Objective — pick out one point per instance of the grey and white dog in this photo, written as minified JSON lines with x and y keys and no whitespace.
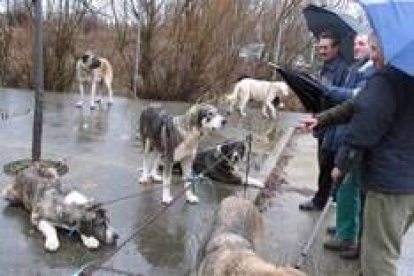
{"x":39,"y":190}
{"x":174,"y":139}
{"x":93,"y":70}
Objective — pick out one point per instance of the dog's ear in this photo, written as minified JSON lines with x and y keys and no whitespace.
{"x":85,"y":58}
{"x":95,"y":63}
{"x":194,"y":116}
{"x":217,"y":152}
{"x":92,"y":205}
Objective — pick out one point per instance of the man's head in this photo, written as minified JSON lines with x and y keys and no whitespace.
{"x":328,"y":46}
{"x":376,"y":54}
{"x":361,"y":47}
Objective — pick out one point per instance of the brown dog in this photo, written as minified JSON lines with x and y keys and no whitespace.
{"x":231,"y":249}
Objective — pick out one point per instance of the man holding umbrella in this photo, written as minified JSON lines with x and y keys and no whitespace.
{"x":382,"y":136}
{"x":381,"y":139}
{"x":348,"y":195}
{"x":332,"y":73}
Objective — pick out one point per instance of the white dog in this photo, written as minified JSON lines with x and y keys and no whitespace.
{"x":265,"y":92}
{"x":174,"y":139}
{"x":93,"y":70}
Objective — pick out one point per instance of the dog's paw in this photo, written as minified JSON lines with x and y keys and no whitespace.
{"x":110,"y":102}
{"x":90,"y":242}
{"x":51,"y":244}
{"x":79,"y":104}
{"x":92,"y":106}
{"x":166,"y":199}
{"x":243,"y":114}
{"x":98,"y":100}
{"x":144,"y":180}
{"x":265,"y":115}
{"x":191,"y":198}
{"x":156,"y":177}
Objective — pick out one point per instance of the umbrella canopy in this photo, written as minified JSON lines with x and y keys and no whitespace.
{"x":393,"y":23}
{"x":310,"y":92}
{"x":344,"y":26}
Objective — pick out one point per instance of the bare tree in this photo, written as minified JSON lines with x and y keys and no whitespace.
{"x":5,"y":43}
{"x":178,"y":49}
{"x":64,"y":19}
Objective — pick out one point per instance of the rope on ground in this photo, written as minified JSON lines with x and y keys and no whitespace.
{"x":94,"y":265}
{"x":249,"y":139}
{"x":89,"y":268}
{"x":199,"y":176}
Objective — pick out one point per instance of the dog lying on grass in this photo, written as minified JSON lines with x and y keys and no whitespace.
{"x":39,"y":190}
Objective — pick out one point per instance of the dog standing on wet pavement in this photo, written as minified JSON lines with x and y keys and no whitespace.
{"x":265,"y":92}
{"x":39,"y":190}
{"x":174,"y":139}
{"x":95,"y":71}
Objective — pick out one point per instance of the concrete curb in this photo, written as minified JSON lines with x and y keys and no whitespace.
{"x":276,"y":153}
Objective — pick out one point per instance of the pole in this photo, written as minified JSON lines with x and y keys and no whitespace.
{"x":137,"y":78}
{"x":316,"y":229}
{"x":38,"y":85}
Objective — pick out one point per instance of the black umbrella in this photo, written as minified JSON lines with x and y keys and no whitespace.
{"x":344,"y":26}
{"x":311,"y":93}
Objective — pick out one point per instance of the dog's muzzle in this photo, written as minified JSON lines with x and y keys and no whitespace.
{"x":111,"y":236}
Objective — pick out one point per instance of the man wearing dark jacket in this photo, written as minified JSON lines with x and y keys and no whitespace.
{"x":332,"y":73}
{"x":348,"y":208}
{"x":381,"y":142}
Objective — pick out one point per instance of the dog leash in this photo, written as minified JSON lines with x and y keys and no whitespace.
{"x":199,"y":176}
{"x":7,"y":115}
{"x":249,"y":139}
{"x":88,"y":268}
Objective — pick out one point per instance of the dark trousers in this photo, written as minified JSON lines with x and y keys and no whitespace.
{"x":326,"y":164}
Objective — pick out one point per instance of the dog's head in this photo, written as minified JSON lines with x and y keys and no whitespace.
{"x":206,"y":117}
{"x":232,"y":152}
{"x":282,"y":91}
{"x":95,"y":222}
{"x":90,"y":60}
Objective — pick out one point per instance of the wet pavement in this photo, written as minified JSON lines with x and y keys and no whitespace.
{"x":103,"y":154}
{"x":287,"y":228}
{"x":104,"y":157}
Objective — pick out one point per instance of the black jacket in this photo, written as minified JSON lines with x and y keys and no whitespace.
{"x":381,"y":134}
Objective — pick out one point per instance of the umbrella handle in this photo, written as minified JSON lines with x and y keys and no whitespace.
{"x":274,"y":65}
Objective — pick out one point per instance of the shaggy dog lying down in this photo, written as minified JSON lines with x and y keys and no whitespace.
{"x":221,"y":164}
{"x":231,"y":249}
{"x":39,"y":190}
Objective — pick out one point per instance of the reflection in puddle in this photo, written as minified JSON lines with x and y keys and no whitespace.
{"x":92,"y":126}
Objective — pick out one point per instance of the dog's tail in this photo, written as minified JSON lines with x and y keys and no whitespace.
{"x":242,"y":77}
{"x":236,"y":91}
{"x":146,"y":122}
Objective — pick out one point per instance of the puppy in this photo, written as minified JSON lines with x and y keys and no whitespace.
{"x":39,"y":190}
{"x":231,"y":249}
{"x":93,"y":70}
{"x":221,"y":164}
{"x":175,"y":139}
{"x":265,"y":92}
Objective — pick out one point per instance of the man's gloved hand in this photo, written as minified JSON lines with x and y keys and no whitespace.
{"x":308,"y":124}
{"x":337,"y":175}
